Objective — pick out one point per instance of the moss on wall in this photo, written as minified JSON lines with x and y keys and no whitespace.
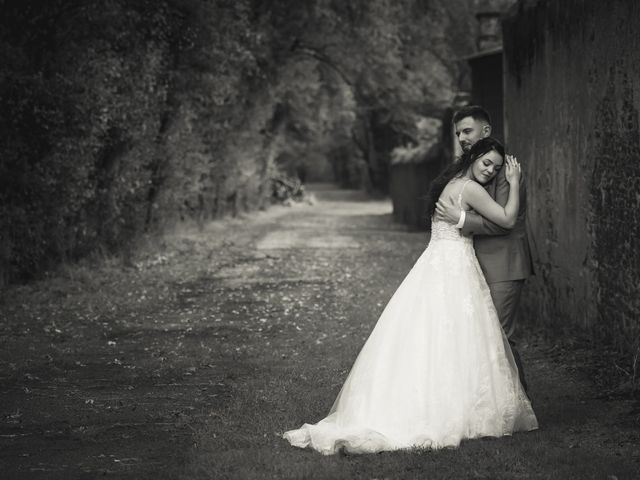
{"x":572,"y":97}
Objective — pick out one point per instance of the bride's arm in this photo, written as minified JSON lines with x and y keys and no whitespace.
{"x":476,"y":224}
{"x":478,"y":198}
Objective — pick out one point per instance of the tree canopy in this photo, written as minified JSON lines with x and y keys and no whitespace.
{"x":121,"y":116}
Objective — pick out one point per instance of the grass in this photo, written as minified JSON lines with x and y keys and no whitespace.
{"x":193,"y":363}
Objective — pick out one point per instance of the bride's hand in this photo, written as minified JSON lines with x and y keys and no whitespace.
{"x":513,"y":171}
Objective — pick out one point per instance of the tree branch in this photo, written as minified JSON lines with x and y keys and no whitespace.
{"x":303,"y":50}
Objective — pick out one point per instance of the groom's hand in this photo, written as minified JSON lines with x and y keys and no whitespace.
{"x":448,"y":211}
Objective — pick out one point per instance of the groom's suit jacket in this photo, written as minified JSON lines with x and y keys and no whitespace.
{"x":504,"y":255}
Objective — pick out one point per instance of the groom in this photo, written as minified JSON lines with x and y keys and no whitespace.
{"x":503,"y":254}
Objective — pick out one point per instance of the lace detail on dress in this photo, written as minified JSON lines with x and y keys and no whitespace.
{"x":441,"y":230}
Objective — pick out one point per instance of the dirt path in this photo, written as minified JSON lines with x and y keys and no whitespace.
{"x":193,"y":363}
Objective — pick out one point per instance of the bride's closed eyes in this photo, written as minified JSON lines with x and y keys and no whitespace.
{"x":488,"y":163}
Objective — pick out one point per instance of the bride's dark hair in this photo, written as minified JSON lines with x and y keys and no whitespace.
{"x":480,"y":148}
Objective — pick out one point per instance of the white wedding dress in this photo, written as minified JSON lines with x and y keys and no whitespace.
{"x":436,"y":369}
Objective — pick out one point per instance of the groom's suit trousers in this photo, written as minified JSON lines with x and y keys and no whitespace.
{"x":506,"y":297}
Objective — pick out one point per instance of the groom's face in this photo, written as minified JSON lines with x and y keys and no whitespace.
{"x":469,"y":131}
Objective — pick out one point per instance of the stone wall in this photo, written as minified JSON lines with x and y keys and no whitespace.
{"x":572,"y":97}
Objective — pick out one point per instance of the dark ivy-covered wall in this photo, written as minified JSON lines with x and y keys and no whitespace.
{"x":572,"y":97}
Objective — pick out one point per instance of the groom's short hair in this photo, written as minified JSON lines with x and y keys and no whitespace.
{"x":474,"y":111}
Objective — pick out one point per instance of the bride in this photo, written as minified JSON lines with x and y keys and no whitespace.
{"x":437,"y":367}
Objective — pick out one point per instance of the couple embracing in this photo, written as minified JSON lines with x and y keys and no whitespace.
{"x":440,"y":365}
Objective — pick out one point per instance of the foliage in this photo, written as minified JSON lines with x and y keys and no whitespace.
{"x":110,"y":108}
{"x":397,"y":60}
{"x":122,"y":116}
{"x":81,"y":92}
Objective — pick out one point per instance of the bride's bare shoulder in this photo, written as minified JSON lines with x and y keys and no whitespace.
{"x":453,"y":183}
{"x":448,"y":189}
